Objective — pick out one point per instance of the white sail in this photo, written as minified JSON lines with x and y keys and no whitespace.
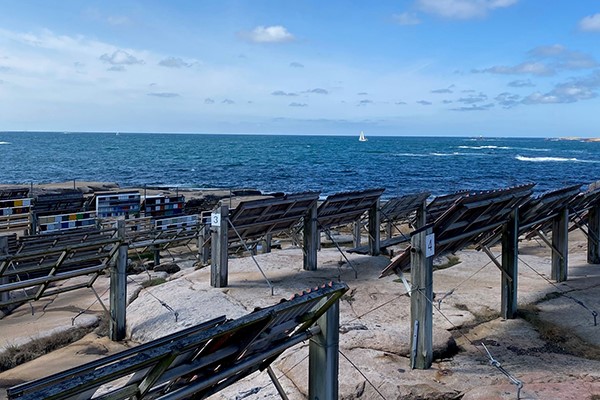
{"x":362,"y":137}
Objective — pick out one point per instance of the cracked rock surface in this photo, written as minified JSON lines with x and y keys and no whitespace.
{"x":552,"y":347}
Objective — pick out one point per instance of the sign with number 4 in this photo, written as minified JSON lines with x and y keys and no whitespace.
{"x":430,"y":245}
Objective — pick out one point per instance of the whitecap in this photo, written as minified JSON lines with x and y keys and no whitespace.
{"x":484,"y":147}
{"x":456,"y":153}
{"x":4,"y":142}
{"x":411,"y":155}
{"x":552,"y":159}
{"x":531,"y":149}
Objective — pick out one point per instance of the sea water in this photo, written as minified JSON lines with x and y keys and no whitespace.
{"x":288,"y":163}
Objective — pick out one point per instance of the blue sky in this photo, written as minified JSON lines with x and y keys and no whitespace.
{"x":413,"y":67}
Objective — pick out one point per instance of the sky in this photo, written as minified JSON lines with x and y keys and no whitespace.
{"x":528,"y":68}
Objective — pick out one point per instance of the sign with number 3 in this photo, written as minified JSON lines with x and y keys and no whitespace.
{"x":215,"y":219}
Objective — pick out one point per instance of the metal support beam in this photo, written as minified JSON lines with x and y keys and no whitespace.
{"x":560,"y":242}
{"x":374,"y":225}
{"x":312,"y":238}
{"x":204,"y":243}
{"x":593,"y":256}
{"x":32,"y":223}
{"x":323,"y":357}
{"x":268,"y":243}
{"x":277,"y":384}
{"x":156,"y":249}
{"x":118,"y":288}
{"x":219,"y":258}
{"x":421,"y":218}
{"x":510,"y":254}
{"x":4,"y":296}
{"x":421,"y":301}
{"x":357,"y":233}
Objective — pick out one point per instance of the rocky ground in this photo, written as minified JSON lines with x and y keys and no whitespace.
{"x":553,"y":348}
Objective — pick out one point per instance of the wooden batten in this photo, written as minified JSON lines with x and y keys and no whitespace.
{"x":421,"y":306}
{"x":118,"y":289}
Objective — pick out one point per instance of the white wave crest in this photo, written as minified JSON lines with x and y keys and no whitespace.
{"x":410,"y":155}
{"x":484,"y":147}
{"x":444,"y":154}
{"x":457,"y":153}
{"x":531,"y":149}
{"x":4,"y":142}
{"x":552,"y":159}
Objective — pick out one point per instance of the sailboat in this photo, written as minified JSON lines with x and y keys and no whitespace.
{"x":362,"y":137}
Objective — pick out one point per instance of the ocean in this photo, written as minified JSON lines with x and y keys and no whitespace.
{"x":284,"y":163}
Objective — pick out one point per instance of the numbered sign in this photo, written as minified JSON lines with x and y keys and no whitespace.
{"x":215,"y":219}
{"x":430,"y":245}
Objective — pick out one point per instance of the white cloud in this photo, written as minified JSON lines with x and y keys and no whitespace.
{"x":120,"y":57}
{"x":533,"y":68}
{"x":165,"y":95}
{"x":563,"y":58}
{"x":268,"y":34}
{"x":521,"y":83}
{"x":442,"y":91}
{"x":406,"y":18}
{"x":547,"y":61}
{"x":474,"y":107}
{"x":318,"y":91}
{"x":462,"y":9}
{"x":176,"y":62}
{"x":282,"y":93}
{"x":584,"y":88}
{"x":591,"y":23}
{"x":473,"y":98}
{"x":508,"y":100}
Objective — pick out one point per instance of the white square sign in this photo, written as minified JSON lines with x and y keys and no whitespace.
{"x":430,"y":245}
{"x":215,"y":219}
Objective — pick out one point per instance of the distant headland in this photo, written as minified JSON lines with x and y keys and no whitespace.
{"x":580,"y":139}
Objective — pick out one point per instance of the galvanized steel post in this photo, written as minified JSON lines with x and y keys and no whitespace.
{"x":374,"y":225}
{"x":560,"y":243}
{"x":593,"y":256}
{"x":357,"y":233}
{"x":510,"y":250}
{"x":4,"y":296}
{"x":311,"y":239}
{"x":204,"y":242}
{"x":323,"y":358}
